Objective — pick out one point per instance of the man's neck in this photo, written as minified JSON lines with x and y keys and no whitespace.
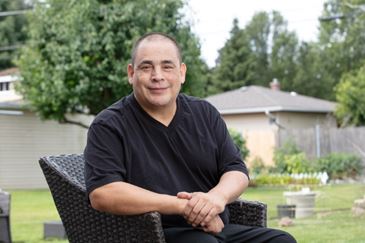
{"x":163,"y":115}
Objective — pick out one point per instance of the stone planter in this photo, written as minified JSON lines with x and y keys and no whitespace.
{"x":303,"y":200}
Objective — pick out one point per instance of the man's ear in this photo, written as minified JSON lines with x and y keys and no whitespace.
{"x":130,"y":72}
{"x":183,"y":69}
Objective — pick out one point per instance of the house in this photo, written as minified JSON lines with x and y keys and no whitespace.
{"x":24,"y":138}
{"x":260,"y":113}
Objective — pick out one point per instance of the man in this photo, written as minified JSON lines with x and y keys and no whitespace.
{"x":158,"y":150}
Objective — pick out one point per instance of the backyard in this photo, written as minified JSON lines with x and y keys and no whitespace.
{"x":333,"y":221}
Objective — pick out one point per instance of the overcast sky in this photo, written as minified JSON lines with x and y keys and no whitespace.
{"x":212,"y":19}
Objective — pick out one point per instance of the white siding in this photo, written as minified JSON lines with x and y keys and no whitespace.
{"x":24,"y":139}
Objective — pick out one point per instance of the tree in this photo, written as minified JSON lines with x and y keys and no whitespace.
{"x":240,"y":142}
{"x":284,"y":53}
{"x":12,"y":31}
{"x":76,"y":57}
{"x":229,"y":73}
{"x":256,"y":54}
{"x":341,"y":41}
{"x":351,"y":99}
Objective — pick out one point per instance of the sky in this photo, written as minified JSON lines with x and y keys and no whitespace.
{"x":212,"y":19}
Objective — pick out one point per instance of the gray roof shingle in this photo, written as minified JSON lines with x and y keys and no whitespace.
{"x":254,"y":99}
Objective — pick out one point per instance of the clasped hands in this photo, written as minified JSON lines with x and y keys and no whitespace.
{"x":202,"y":210}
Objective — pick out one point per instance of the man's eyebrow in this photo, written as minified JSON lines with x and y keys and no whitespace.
{"x":168,"y":62}
{"x":145,"y":62}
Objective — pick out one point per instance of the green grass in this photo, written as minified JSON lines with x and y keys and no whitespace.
{"x":333,"y":221}
{"x":29,"y":209}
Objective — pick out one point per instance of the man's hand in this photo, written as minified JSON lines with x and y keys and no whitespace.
{"x":215,"y":226}
{"x":202,"y":209}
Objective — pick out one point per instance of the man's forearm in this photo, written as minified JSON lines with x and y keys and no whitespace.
{"x":204,"y":207}
{"x":231,"y":185}
{"x":127,"y":199}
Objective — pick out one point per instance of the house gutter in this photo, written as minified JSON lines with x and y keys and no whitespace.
{"x":271,"y":109}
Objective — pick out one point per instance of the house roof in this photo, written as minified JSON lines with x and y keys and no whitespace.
{"x":9,"y":71}
{"x":257,"y":99}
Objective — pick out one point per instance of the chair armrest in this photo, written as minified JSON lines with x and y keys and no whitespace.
{"x":137,"y":228}
{"x":83,"y":224}
{"x":250,"y":213}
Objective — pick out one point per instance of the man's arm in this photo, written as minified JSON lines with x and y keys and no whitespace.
{"x":203,"y":207}
{"x":126,"y":199}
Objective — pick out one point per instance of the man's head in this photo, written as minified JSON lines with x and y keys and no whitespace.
{"x":152,"y":36}
{"x":156,"y":72}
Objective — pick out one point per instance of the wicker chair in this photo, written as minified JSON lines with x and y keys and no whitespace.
{"x":65,"y":177}
{"x":5,"y":234}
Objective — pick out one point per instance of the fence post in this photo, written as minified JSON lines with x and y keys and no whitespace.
{"x":318,"y":141}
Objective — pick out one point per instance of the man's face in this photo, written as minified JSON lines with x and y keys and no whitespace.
{"x":156,"y":74}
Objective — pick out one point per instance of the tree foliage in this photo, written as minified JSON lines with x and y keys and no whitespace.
{"x":351,"y":99}
{"x":240,"y":142}
{"x":256,"y":54}
{"x":341,"y":41}
{"x":264,"y":49}
{"x":12,"y":31}
{"x":76,"y":57}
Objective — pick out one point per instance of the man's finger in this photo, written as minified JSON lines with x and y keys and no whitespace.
{"x":202,"y":215}
{"x":209,"y":216}
{"x":189,"y":206}
{"x":195,"y":213}
{"x":184,"y":195}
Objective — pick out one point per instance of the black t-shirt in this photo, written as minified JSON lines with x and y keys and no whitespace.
{"x":191,"y":154}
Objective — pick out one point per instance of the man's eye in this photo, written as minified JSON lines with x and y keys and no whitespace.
{"x":168,"y":67}
{"x":145,"y":67}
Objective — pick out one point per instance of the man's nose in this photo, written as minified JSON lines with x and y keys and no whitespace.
{"x":157,"y":74}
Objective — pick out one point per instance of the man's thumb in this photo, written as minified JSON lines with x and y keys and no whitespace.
{"x":184,"y":195}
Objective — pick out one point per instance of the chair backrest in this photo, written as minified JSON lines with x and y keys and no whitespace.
{"x":65,"y":178}
{"x":70,"y":166}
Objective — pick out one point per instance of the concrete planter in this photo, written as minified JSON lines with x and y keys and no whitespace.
{"x":303,"y":200}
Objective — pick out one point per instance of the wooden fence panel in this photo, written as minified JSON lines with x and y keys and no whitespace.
{"x":319,"y":141}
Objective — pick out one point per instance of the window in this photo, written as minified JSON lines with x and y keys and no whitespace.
{"x":4,"y":86}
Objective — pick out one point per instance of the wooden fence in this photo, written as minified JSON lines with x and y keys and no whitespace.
{"x":319,"y":141}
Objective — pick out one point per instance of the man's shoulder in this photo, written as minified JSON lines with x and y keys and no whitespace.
{"x":193,"y":100}
{"x":114,"y":112}
{"x":196,"y":102}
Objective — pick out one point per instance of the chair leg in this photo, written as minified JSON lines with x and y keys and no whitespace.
{"x":5,"y":235}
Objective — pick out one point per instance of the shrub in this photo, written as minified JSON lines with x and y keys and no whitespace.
{"x":283,"y":180}
{"x":240,"y":142}
{"x":258,"y":166}
{"x":340,"y":165}
{"x":290,"y":159}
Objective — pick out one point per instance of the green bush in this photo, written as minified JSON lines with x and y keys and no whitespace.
{"x":290,"y":159}
{"x":240,"y":142}
{"x":340,"y":165}
{"x":282,"y":179}
{"x":257,"y":166}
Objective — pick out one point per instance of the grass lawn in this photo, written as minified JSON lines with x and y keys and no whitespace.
{"x":333,"y":221}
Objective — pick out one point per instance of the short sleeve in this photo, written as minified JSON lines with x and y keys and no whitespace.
{"x":103,"y":157}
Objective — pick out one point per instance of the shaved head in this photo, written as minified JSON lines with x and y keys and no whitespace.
{"x":155,"y":36}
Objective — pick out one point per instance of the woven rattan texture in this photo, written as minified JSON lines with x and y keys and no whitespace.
{"x":83,"y":224}
{"x":251,"y":213}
